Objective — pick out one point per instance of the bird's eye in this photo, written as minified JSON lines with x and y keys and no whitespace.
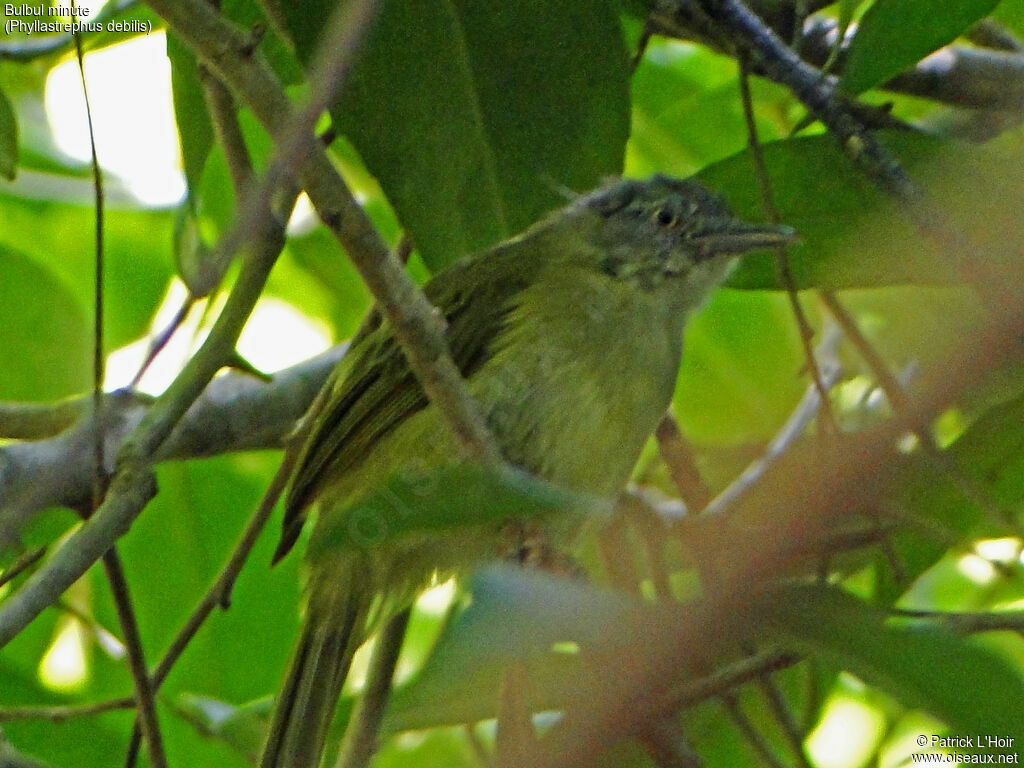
{"x":665,"y":217}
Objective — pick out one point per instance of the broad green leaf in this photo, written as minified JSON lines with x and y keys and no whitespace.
{"x":172,"y":556}
{"x":991,"y":455}
{"x":57,"y":744}
{"x":313,"y":274}
{"x":518,"y":102}
{"x":195,"y":131}
{"x":453,"y":497}
{"x":741,"y":372}
{"x":240,"y":727}
{"x":687,"y":112}
{"x":895,"y":34}
{"x":928,"y":668}
{"x":851,"y":234}
{"x":46,"y":354}
{"x":8,"y":138}
{"x":59,"y":237}
{"x":515,"y":616}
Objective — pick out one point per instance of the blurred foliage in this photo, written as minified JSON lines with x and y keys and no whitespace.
{"x":462,"y":123}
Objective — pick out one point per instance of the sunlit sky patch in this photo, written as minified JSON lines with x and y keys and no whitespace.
{"x":130,"y":93}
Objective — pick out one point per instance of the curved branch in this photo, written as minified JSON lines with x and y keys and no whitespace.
{"x":227,"y":50}
{"x":236,"y":412}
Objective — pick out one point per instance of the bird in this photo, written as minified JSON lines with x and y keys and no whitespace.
{"x":569,"y":336}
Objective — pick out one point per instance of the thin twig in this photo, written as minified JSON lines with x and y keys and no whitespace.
{"x":111,"y":561}
{"x":753,"y":736}
{"x":682,"y":465}
{"x":224,"y":116}
{"x":780,"y":708}
{"x":133,"y":485}
{"x":97,"y":339}
{"x":60,"y":714}
{"x":22,"y":564}
{"x":726,"y":678}
{"x":969,"y":622}
{"x":804,"y":496}
{"x":219,"y":593}
{"x":416,"y":325}
{"x":748,"y":34}
{"x":144,"y":690}
{"x":162,"y":339}
{"x":790,"y":431}
{"x":783,"y":270}
{"x":664,"y":742}
{"x":361,"y":735}
{"x":900,"y":402}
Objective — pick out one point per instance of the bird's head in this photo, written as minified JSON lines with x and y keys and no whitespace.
{"x":670,"y":233}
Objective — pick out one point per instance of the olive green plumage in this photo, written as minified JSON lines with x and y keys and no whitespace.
{"x":569,"y":336}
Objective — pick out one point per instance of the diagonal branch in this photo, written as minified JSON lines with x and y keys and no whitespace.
{"x":227,"y":51}
{"x":235,"y":413}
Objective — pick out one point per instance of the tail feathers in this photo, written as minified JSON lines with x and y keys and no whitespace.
{"x":330,"y":637}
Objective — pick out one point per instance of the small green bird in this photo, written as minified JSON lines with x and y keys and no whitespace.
{"x":569,"y":336}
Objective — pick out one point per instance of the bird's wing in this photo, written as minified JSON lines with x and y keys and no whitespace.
{"x":374,"y":389}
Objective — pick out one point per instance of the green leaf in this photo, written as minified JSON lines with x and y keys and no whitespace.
{"x":8,"y":138}
{"x":314,"y":275}
{"x":46,"y":354}
{"x":895,"y":34}
{"x":518,"y":101}
{"x":928,"y":668}
{"x":515,"y":616}
{"x":194,"y":126}
{"x":195,"y":131}
{"x":60,"y":238}
{"x":853,"y":236}
{"x":990,"y":454}
{"x":242,"y":728}
{"x":190,"y":528}
{"x":455,"y":496}
{"x":740,"y":374}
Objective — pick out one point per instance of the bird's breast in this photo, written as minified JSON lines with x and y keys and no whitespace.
{"x":575,"y":387}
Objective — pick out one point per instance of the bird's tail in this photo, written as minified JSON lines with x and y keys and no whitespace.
{"x":332,"y":632}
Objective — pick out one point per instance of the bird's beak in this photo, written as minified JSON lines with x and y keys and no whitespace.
{"x":737,"y":237}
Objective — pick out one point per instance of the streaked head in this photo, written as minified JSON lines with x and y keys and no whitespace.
{"x":664,"y":230}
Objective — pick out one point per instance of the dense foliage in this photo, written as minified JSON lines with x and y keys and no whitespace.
{"x":840,"y":609}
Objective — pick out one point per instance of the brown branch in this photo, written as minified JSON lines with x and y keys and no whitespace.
{"x":236,"y":412}
{"x":681,"y":463}
{"x":800,"y":499}
{"x":745,"y":33}
{"x":783,"y":270}
{"x":900,"y":402}
{"x":144,"y":702}
{"x":60,"y":714}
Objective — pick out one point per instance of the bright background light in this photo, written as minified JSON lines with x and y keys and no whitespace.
{"x":133,"y":117}
{"x":276,"y":336}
